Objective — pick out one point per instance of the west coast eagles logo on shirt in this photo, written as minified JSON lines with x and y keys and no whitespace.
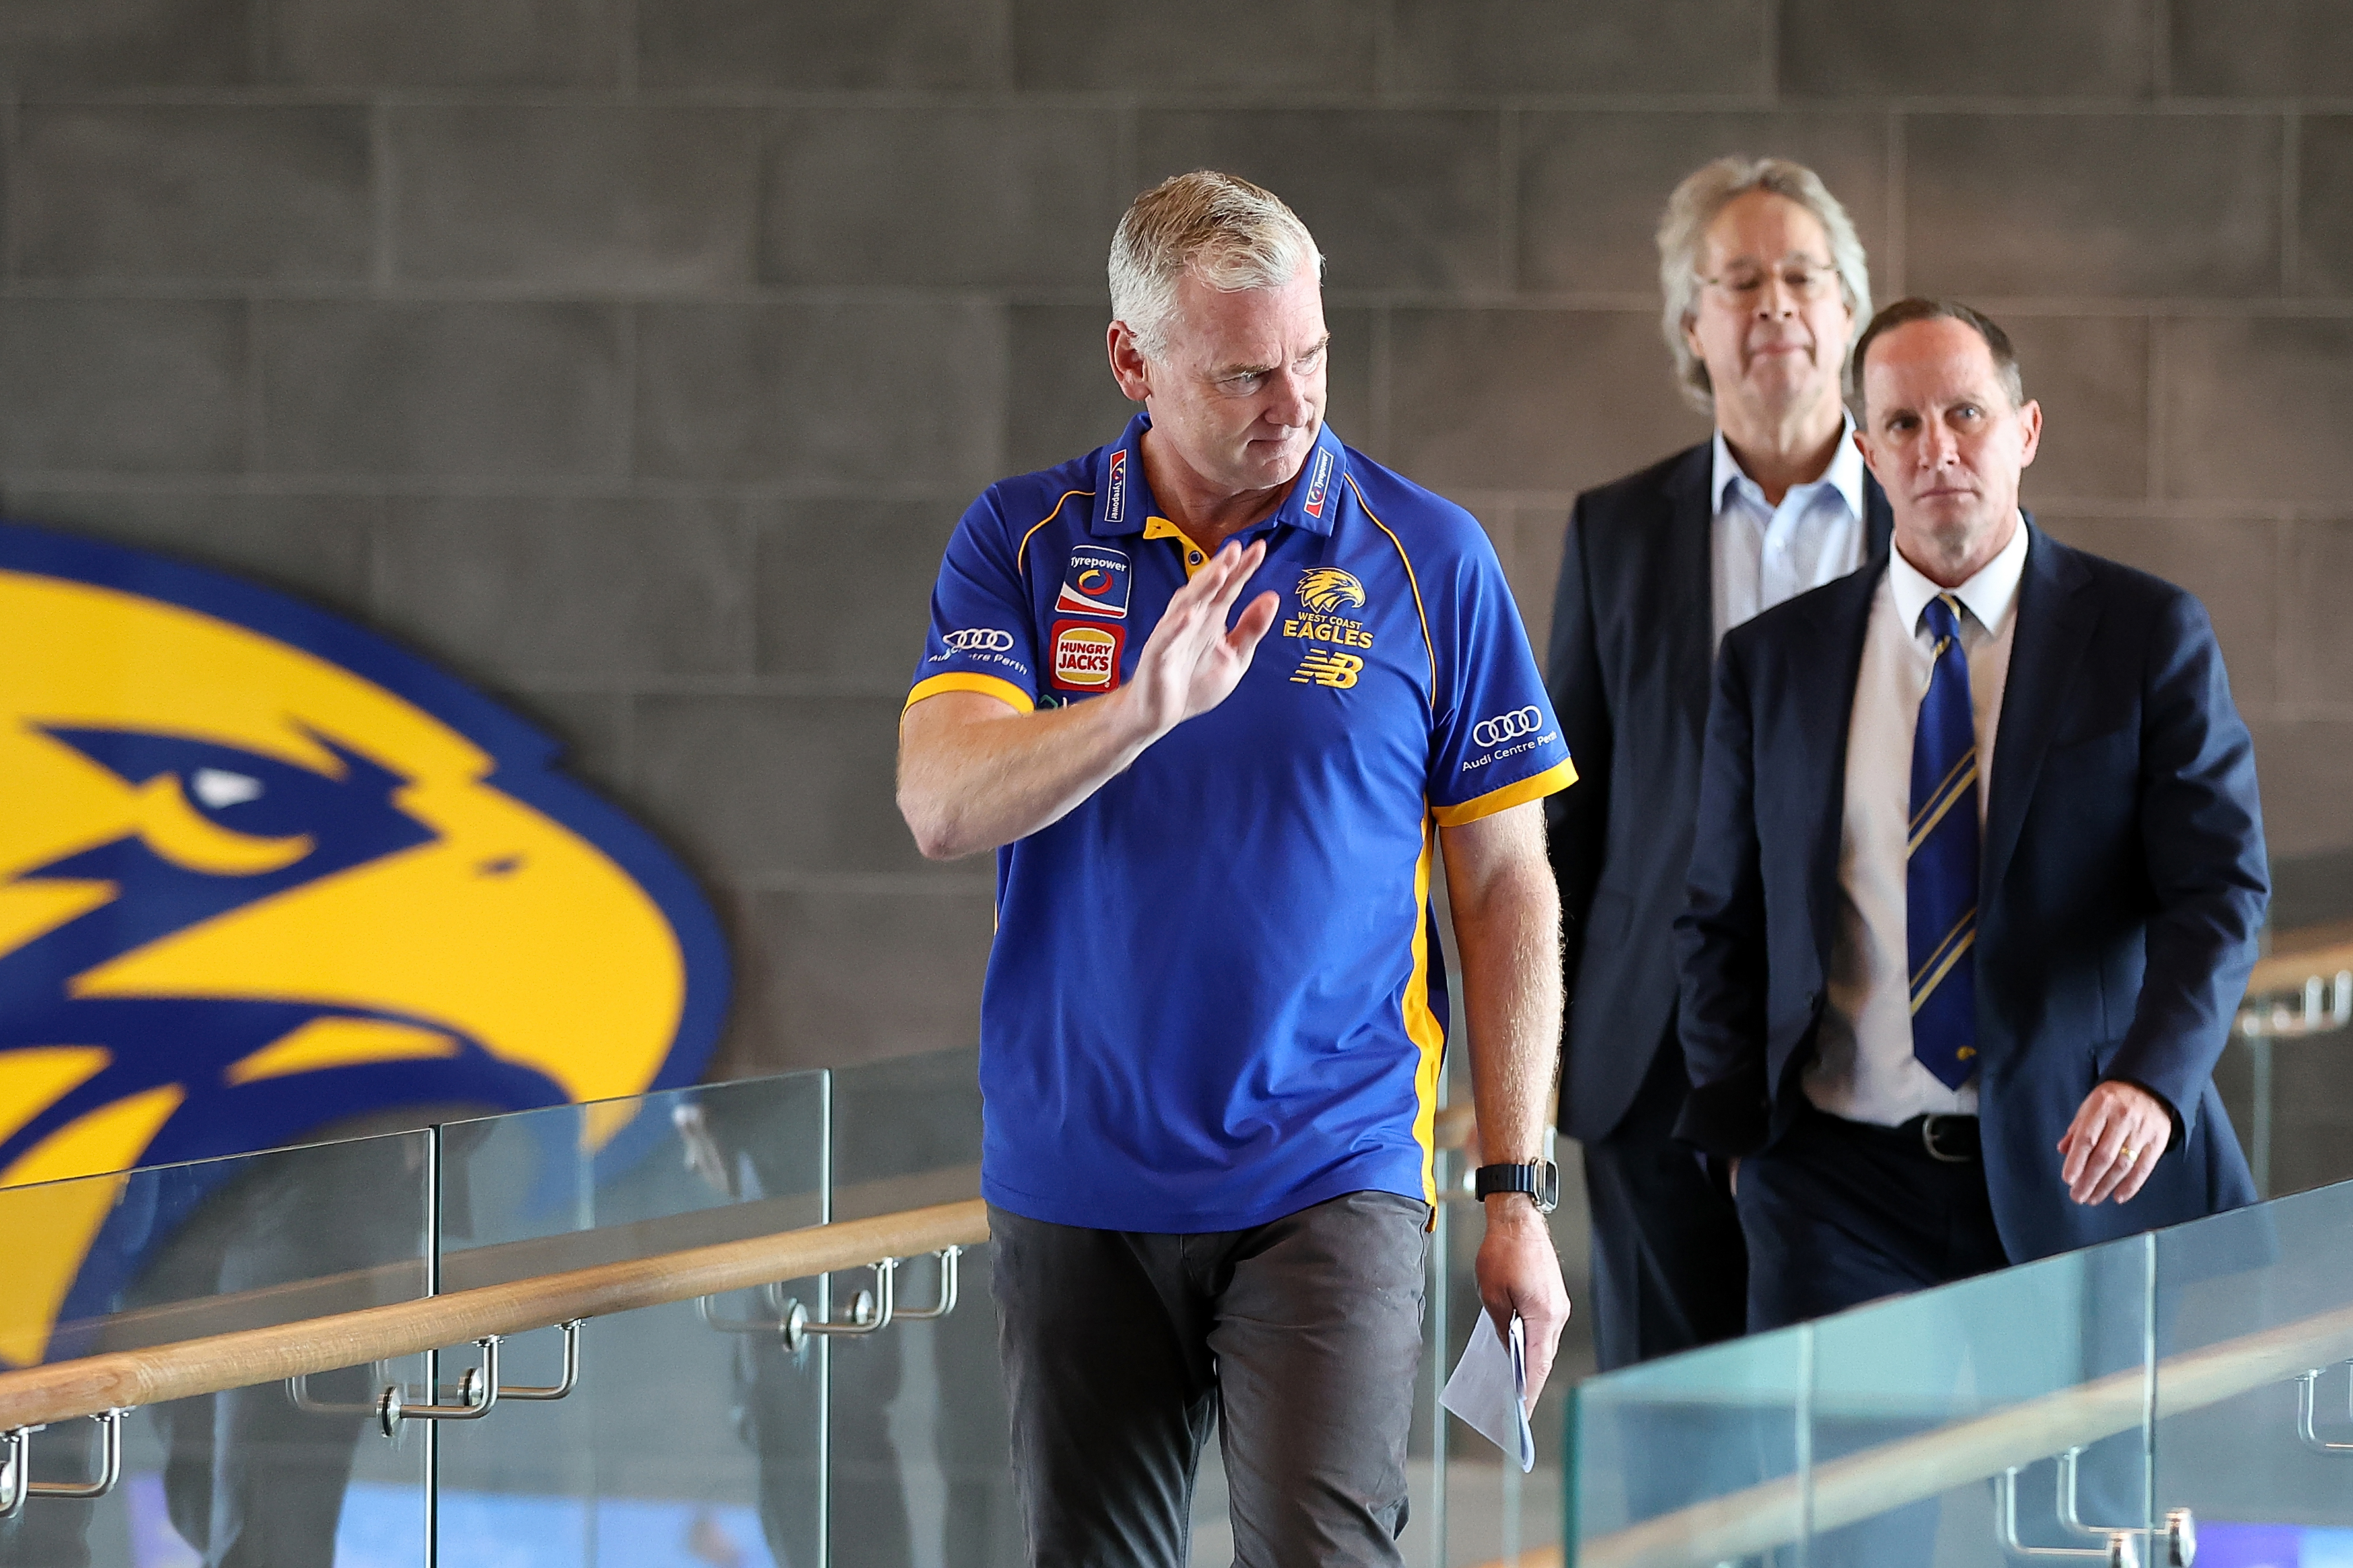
{"x":1324,"y":592}
{"x":261,"y":870}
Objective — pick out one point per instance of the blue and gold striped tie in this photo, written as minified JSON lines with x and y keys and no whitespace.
{"x":1941,"y":860}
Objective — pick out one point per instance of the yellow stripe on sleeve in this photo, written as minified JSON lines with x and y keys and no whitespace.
{"x":1005,"y":691}
{"x":1552,"y":781}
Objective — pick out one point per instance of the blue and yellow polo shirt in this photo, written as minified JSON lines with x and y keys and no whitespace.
{"x":1216,"y":995}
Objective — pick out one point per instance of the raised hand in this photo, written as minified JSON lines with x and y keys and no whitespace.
{"x":1192,"y":662}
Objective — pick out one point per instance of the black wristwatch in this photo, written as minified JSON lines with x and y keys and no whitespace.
{"x":1540,"y":1179}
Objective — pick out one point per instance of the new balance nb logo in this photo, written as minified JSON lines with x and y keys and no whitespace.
{"x":1338,"y":670}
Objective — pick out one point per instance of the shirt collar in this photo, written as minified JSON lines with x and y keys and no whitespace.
{"x":1124,"y":500}
{"x":1844,"y":475}
{"x":1990,"y":596}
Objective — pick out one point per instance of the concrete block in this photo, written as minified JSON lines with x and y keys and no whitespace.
{"x":1323,"y":46}
{"x":2232,"y":567}
{"x":1539,"y":532}
{"x":2090,"y":375}
{"x":524,"y":590}
{"x":1593,"y":185}
{"x":2256,"y":409}
{"x":130,"y":385}
{"x":592,"y":727}
{"x":691,"y":44}
{"x":443,"y":389}
{"x":759,"y":788}
{"x":1552,"y":400}
{"x":903,"y":394}
{"x":192,"y":192}
{"x":843,"y":588}
{"x":446,"y":43}
{"x":1396,"y":198}
{"x":2324,"y":216}
{"x":997,"y":195}
{"x":610,"y":196}
{"x":1997,"y":48}
{"x":1609,"y":47}
{"x":46,"y":45}
{"x":2316,"y":655}
{"x":1060,"y":397}
{"x":2302,"y":763}
{"x":2261,"y":48}
{"x":313,"y":546}
{"x":837,"y":978}
{"x":2092,"y":205}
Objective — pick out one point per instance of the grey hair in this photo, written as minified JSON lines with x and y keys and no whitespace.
{"x":1706,"y":191}
{"x":1227,"y":232}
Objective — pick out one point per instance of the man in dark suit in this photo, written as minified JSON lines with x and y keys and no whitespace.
{"x":1763,"y":283}
{"x":1979,"y":871}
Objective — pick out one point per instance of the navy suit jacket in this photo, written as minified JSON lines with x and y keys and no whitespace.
{"x":2122,"y":885}
{"x":1633,"y":634}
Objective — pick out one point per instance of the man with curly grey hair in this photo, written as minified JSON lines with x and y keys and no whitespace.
{"x":1215,"y":694}
{"x":1765,"y":285}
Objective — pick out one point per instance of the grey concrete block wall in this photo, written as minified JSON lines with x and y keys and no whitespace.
{"x":637,"y":359}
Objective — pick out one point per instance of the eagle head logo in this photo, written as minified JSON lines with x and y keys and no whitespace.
{"x":261,"y":871}
{"x":1325,"y":589}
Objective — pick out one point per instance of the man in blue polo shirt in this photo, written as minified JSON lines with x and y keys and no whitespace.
{"x":1218,"y":695}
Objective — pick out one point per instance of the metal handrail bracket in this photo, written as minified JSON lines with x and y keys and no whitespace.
{"x":17,"y":1483}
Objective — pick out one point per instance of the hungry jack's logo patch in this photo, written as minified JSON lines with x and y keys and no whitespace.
{"x":261,"y":871}
{"x":1086,"y":656}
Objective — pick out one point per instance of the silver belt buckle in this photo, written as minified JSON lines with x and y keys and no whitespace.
{"x":1928,"y":1141}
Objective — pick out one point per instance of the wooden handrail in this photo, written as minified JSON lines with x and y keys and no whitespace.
{"x":187,"y":1368}
{"x":1871,"y":1482}
{"x":2297,"y":955}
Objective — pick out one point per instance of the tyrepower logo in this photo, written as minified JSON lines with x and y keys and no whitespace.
{"x":1506,"y":727}
{"x":980,"y":639}
{"x":1095,"y":583}
{"x":1319,"y":484}
{"x":1086,"y":657}
{"x":1116,"y":506}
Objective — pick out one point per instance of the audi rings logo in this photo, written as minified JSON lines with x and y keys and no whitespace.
{"x":1506,"y":727}
{"x":981,"y":639}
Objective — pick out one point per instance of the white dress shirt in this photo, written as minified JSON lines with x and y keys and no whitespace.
{"x":1864,"y":1070}
{"x":1764,"y":555}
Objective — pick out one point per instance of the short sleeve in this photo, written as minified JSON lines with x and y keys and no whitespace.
{"x":1496,"y":743}
{"x":982,"y":637}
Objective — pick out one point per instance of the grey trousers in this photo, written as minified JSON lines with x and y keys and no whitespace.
{"x":1300,"y":1337}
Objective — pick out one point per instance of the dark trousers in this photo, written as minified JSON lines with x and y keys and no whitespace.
{"x":1839,"y":1213}
{"x":1299,"y":1338}
{"x":1670,"y":1265}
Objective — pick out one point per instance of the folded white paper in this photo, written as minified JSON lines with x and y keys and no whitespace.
{"x":1490,"y":1390}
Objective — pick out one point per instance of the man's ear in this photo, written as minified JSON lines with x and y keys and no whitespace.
{"x":1128,"y":365}
{"x":2030,"y":417}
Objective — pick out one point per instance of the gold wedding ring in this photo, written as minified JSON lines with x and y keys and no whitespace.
{"x":2129,"y":1153}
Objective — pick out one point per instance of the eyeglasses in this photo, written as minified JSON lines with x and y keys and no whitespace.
{"x":1804,"y":277}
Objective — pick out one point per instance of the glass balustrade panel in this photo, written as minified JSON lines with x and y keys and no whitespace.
{"x":290,"y":1473}
{"x":2254,"y":1430}
{"x":1688,"y":1453}
{"x":1944,"y":1426}
{"x":693,"y":1435}
{"x":918,"y":1442}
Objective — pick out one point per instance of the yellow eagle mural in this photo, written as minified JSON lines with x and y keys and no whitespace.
{"x":262,"y":870}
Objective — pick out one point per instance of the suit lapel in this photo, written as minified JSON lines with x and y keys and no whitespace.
{"x":1823,"y":670}
{"x":1688,"y":607}
{"x":2056,"y":618}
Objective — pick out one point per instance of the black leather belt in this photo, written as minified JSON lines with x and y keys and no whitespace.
{"x":1947,"y":1140}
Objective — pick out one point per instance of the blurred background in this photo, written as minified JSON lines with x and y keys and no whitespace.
{"x":636,"y":357}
